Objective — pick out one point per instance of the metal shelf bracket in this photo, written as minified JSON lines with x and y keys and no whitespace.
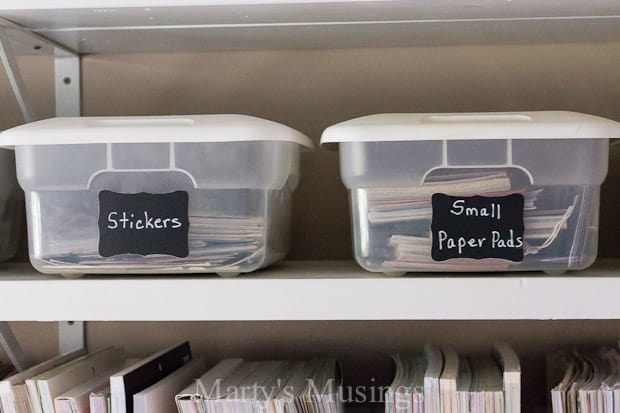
{"x":67,"y":63}
{"x":71,"y":336}
{"x":7,"y":57}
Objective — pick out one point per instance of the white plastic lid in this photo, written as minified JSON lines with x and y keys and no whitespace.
{"x":466,"y":126}
{"x":151,"y":129}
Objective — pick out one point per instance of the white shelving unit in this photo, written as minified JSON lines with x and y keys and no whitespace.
{"x":313,"y":290}
{"x":71,"y":28}
{"x":112,"y":26}
{"x":333,"y":291}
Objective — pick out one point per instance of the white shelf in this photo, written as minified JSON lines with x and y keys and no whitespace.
{"x":320,"y":290}
{"x":108,"y":26}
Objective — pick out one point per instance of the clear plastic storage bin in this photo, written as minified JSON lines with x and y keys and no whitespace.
{"x":170,"y":194}
{"x":474,"y":191}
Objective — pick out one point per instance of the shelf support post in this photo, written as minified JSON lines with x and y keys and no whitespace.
{"x":7,"y":57}
{"x":71,"y":336}
{"x":67,"y":83}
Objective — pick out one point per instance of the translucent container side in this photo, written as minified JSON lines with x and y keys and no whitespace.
{"x":563,"y":162}
{"x":266,"y":165}
{"x":64,"y":235}
{"x":59,"y":166}
{"x":392,"y":233}
{"x":374,"y":164}
{"x":392,"y":184}
{"x":229,"y":165}
{"x":239,"y":196}
{"x":545,"y":161}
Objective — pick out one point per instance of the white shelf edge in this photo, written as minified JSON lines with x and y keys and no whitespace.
{"x":136,"y":26}
{"x":81,"y":4}
{"x":312,"y":291}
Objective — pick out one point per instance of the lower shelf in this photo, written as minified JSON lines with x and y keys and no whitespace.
{"x":312,"y":290}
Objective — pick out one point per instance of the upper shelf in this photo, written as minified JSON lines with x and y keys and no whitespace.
{"x":320,"y":290}
{"x":111,"y":26}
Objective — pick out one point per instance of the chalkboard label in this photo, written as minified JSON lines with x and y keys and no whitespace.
{"x":477,"y":227}
{"x":143,"y":224}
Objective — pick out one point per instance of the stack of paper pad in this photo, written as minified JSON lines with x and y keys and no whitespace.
{"x":590,"y":382}
{"x":212,"y":240}
{"x":439,"y":381}
{"x":405,"y":214}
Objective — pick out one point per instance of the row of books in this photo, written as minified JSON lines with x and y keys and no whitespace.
{"x":585,"y":381}
{"x":169,"y":381}
{"x":437,"y":381}
{"x":441,"y":381}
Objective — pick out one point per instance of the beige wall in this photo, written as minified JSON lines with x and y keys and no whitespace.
{"x":310,"y":90}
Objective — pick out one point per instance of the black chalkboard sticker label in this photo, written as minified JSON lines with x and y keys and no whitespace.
{"x":477,"y":227}
{"x":143,"y":224}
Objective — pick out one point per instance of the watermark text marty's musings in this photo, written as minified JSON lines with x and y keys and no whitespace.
{"x":331,"y":391}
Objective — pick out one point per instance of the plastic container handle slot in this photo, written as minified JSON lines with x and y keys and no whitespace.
{"x":159,"y":170}
{"x":142,"y":122}
{"x":490,"y":118}
{"x":439,"y":168}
